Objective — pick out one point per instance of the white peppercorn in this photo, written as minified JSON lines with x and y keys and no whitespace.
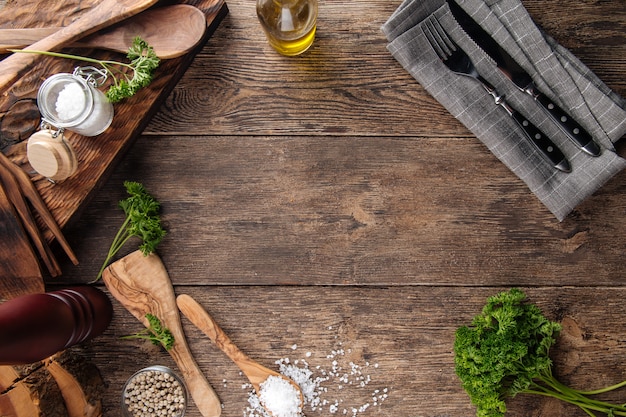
{"x":154,"y":392}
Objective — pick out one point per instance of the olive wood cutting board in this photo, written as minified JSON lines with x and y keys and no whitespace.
{"x":97,"y":156}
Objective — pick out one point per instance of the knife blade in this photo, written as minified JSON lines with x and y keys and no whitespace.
{"x":522,"y":80}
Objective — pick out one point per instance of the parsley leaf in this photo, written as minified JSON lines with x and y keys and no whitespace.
{"x":158,"y":334}
{"x":142,"y":221}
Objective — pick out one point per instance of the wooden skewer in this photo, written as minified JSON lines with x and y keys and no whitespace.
{"x":16,"y":198}
{"x":30,"y":192}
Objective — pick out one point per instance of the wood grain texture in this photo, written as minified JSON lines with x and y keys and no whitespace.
{"x":170,"y":30}
{"x":327,"y":203}
{"x":366,"y":211}
{"x":97,"y":156}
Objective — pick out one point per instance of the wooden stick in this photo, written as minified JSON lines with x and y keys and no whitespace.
{"x":30,"y":192}
{"x":12,"y":190}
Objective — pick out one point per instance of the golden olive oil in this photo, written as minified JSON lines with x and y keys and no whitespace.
{"x":289,"y":24}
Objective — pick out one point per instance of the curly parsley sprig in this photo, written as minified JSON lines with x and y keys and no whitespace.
{"x":128,"y":78}
{"x":505,"y":352}
{"x":142,"y":221}
{"x":158,"y":334}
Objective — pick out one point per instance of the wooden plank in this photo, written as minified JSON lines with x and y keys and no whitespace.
{"x":404,"y":334}
{"x":365,"y":211}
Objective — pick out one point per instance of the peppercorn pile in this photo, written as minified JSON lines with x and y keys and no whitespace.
{"x":153,"y":393}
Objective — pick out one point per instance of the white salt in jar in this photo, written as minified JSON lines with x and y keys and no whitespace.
{"x":72,"y":102}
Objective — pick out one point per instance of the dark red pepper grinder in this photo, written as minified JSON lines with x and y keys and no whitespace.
{"x":35,"y":326}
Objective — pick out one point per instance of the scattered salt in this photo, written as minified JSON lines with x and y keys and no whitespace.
{"x":314,"y":382}
{"x":70,"y":102}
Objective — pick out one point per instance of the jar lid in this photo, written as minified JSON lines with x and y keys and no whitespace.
{"x":51,"y":156}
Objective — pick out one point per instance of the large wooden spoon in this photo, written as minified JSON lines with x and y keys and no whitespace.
{"x":106,"y":13}
{"x":143,"y":286}
{"x":254,"y":371}
{"x":171,"y":30}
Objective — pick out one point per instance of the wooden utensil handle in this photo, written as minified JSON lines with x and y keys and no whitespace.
{"x":203,"y":321}
{"x":21,"y":38}
{"x":201,"y":391}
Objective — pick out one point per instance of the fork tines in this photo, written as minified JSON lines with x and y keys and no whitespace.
{"x":438,"y":38}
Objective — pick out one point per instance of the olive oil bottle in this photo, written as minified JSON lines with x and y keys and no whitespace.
{"x":289,"y":24}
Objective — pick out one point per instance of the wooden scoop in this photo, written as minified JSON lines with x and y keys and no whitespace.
{"x":256,"y":373}
{"x":143,"y":286}
{"x":106,"y":13}
{"x":171,"y":30}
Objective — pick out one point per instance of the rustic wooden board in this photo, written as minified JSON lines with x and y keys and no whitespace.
{"x":97,"y":156}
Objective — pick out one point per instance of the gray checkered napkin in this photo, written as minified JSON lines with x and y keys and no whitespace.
{"x":555,"y":71}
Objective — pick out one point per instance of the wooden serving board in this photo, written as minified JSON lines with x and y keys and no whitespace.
{"x":97,"y":156}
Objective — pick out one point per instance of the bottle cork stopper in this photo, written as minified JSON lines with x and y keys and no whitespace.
{"x":51,"y":156}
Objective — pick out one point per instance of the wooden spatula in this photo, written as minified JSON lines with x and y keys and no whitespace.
{"x":106,"y":13}
{"x":142,"y":284}
{"x":171,"y":30}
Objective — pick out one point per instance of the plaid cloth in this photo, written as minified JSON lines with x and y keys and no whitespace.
{"x":555,"y":71}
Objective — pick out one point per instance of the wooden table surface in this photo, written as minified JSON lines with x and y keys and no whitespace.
{"x":326,"y":208}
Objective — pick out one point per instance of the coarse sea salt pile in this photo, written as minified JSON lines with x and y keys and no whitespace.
{"x":70,"y":101}
{"x":280,"y":397}
{"x":318,"y":383}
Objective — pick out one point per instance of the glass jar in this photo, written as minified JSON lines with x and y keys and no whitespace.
{"x":72,"y":102}
{"x":289,"y":24}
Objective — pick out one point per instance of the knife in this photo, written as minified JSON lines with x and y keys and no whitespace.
{"x":523,"y":81}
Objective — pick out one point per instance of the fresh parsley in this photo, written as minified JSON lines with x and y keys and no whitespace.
{"x":505,"y":352}
{"x":158,"y":334}
{"x":142,"y":221}
{"x":128,"y":78}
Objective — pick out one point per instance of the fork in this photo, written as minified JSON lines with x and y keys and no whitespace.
{"x":461,"y":64}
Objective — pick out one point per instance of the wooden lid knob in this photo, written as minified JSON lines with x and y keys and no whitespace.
{"x":51,"y":156}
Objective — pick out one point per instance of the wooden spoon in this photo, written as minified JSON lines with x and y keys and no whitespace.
{"x":171,"y":30}
{"x":256,"y":373}
{"x":143,"y":286}
{"x":106,"y":13}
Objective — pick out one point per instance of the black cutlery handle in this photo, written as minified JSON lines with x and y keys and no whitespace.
{"x":542,"y":142}
{"x":576,"y":132}
{"x":552,"y":153}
